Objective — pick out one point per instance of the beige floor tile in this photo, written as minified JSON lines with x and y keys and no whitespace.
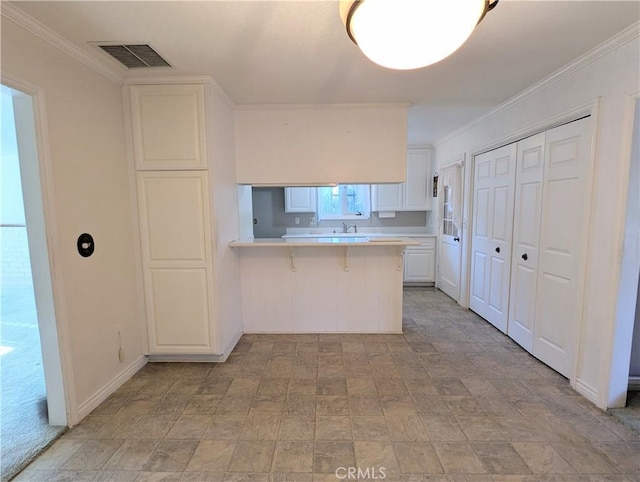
{"x":131,"y":455}
{"x":252,"y":456}
{"x":261,"y":425}
{"x":189,"y":427}
{"x":584,"y":458}
{"x":458,"y":458}
{"x":116,"y":476}
{"x":203,"y":405}
{"x":225,"y":427}
{"x":358,"y":387}
{"x":500,"y":458}
{"x":542,"y":458}
{"x":333,"y":428}
{"x":211,"y":456}
{"x":171,"y":456}
{"x":378,"y":457}
{"x":159,"y":476}
{"x":150,"y":427}
{"x":294,"y":427}
{"x":480,"y":429}
{"x":92,"y":455}
{"x":332,"y":405}
{"x":235,"y":405}
{"x":406,"y":427}
{"x":293,"y":456}
{"x":243,"y":386}
{"x":365,"y":405}
{"x":370,"y":429}
{"x":57,"y":454}
{"x":417,"y":457}
{"x":273,"y":386}
{"x":443,"y":429}
{"x":329,"y":456}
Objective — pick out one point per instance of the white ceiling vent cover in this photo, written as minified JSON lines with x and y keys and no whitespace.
{"x":135,"y":56}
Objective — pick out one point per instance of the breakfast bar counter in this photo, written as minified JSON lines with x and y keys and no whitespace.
{"x":333,"y":284}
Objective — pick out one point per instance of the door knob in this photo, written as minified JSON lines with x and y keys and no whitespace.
{"x":498,"y":249}
{"x":456,"y":239}
{"x":525,"y":257}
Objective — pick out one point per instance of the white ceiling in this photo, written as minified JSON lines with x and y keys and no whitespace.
{"x":297,"y":52}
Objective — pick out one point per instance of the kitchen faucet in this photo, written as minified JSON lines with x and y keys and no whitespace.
{"x":345,"y":227}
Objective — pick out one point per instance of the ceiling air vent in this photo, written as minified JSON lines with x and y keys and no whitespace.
{"x":135,"y":56}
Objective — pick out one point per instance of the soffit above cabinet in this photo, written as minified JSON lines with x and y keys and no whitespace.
{"x":320,"y":145}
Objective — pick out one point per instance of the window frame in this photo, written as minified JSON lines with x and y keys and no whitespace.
{"x":365,"y":199}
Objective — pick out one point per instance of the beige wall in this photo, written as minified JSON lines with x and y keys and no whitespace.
{"x":609,"y":78}
{"x":91,"y":187}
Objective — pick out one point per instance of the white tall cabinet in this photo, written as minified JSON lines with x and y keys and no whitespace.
{"x":529,"y":238}
{"x":175,"y":213}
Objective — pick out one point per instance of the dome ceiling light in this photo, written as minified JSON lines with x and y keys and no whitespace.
{"x":409,"y":34}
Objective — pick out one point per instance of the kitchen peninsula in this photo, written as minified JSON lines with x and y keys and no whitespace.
{"x":333,"y":284}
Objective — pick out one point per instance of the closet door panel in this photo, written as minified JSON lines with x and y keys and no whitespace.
{"x":492,"y":232}
{"x":524,"y":262}
{"x":563,"y":243}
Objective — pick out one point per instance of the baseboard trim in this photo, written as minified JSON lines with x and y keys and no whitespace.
{"x":199,"y":358}
{"x":587,"y":391}
{"x":634,"y":383}
{"x":186,"y":358}
{"x":86,"y":407}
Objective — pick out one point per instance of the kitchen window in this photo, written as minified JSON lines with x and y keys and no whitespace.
{"x":344,"y":201}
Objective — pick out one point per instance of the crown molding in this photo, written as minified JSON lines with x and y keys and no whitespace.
{"x":181,"y":79}
{"x":321,"y":106}
{"x":621,"y":38}
{"x":38,"y":29}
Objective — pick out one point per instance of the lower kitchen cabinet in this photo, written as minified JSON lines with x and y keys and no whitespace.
{"x":420,"y":262}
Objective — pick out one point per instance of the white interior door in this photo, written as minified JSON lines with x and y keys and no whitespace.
{"x":494,"y":179}
{"x":563,"y":242}
{"x":450,"y":206}
{"x":524,"y":261}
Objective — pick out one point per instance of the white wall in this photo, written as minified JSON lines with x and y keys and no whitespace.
{"x":609,"y":77}
{"x":88,"y":164}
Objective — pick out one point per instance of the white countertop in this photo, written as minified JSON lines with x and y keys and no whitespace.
{"x":323,"y":240}
{"x":358,"y":235}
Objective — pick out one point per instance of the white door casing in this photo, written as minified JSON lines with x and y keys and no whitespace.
{"x":524,"y":261}
{"x":494,"y":179}
{"x":563,"y":244}
{"x":450,"y":251}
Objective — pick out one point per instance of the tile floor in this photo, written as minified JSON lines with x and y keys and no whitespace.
{"x":450,"y":400}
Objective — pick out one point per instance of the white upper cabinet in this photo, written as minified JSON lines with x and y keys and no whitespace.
{"x":412,"y":195}
{"x":300,"y":200}
{"x":387,"y":197}
{"x":168,"y":127}
{"x":417,"y":196}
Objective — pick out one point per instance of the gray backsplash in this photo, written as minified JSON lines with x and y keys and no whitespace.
{"x":270,"y":220}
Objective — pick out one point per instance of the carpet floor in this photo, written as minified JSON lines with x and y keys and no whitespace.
{"x":25,"y":429}
{"x":629,"y":415}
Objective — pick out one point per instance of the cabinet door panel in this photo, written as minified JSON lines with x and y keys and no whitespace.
{"x":419,"y":265}
{"x":174,"y":217}
{"x":387,"y":197}
{"x":168,"y":127}
{"x":416,"y":195}
{"x":178,"y":302}
{"x":299,"y":199}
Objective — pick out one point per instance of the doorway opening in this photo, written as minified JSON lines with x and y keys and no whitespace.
{"x":33,"y":412}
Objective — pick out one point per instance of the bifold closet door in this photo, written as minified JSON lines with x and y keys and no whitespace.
{"x":526,"y":230}
{"x":494,"y":178}
{"x":563,"y":242}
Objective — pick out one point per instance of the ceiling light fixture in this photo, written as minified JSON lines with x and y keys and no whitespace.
{"x":409,"y":34}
